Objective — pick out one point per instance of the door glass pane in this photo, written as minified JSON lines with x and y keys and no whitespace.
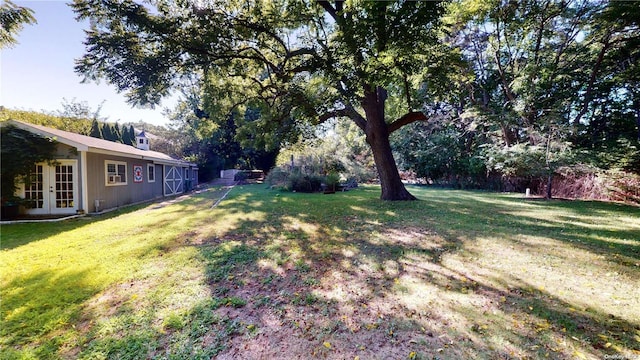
{"x":34,"y":189}
{"x":64,"y":182}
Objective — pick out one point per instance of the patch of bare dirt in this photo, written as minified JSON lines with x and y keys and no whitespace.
{"x":329,"y":312}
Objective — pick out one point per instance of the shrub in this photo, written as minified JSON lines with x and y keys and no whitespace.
{"x":303,"y":180}
{"x":299,"y":182}
{"x":277,"y":177}
{"x":332,"y":181}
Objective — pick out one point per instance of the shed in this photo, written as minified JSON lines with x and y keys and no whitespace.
{"x":92,"y":175}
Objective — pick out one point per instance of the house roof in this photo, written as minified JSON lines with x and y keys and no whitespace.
{"x":91,"y":144}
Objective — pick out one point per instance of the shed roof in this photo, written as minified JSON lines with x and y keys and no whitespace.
{"x":91,"y":144}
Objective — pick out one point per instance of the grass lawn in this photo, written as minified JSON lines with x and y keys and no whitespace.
{"x":267,"y":274}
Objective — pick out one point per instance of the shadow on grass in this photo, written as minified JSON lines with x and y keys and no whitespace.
{"x":43,"y":301}
{"x":44,"y":310}
{"x":537,"y":320}
{"x":348,"y":243}
{"x":344,"y":275}
{"x":464,"y":214}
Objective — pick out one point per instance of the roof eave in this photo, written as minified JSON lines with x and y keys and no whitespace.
{"x":76,"y":145}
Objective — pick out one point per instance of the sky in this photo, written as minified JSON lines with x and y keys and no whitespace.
{"x":37,"y":73}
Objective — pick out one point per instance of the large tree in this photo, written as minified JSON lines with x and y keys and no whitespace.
{"x":299,"y":62}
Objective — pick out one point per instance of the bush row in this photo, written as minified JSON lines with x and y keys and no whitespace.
{"x":298,"y":181}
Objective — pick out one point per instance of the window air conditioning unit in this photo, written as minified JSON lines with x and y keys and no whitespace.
{"x":114,"y":179}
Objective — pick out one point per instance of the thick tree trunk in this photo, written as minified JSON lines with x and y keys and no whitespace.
{"x":392,"y":186}
{"x":377,"y":132}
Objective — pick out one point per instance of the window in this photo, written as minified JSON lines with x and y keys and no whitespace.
{"x":151,"y":173}
{"x":115,"y":173}
{"x":141,"y":141}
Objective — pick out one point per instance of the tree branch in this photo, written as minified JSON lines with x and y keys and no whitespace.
{"x":406,"y":90}
{"x":261,"y":29}
{"x":326,"y":5}
{"x":302,"y":51}
{"x":333,"y":114}
{"x":407,"y":119}
{"x":348,"y":112}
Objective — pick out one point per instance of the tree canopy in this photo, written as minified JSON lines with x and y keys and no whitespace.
{"x":298,"y":62}
{"x":546,"y":85}
{"x":502,"y":88}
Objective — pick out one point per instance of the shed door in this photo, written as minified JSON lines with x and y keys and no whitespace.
{"x":172,"y":180}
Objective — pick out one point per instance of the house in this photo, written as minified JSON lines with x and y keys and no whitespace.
{"x":93,"y":175}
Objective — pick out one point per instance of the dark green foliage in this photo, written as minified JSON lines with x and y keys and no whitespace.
{"x":95,"y":130}
{"x":547,"y":85}
{"x":108,"y":132}
{"x":126,"y":137}
{"x":306,"y":183}
{"x":216,"y":147}
{"x":446,"y":155}
{"x":132,"y":134}
{"x":117,"y":133}
{"x":332,"y":181}
{"x":12,"y":19}
{"x":610,"y":140}
{"x":21,"y":150}
{"x":258,"y":159}
{"x":297,"y":180}
{"x":224,"y":144}
{"x":246,"y":152}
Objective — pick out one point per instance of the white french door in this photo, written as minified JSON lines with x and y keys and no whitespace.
{"x":53,"y":189}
